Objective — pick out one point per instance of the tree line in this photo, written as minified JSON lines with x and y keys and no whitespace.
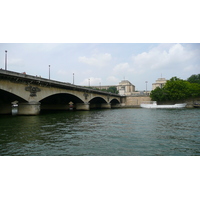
{"x":177,"y":89}
{"x":112,"y":89}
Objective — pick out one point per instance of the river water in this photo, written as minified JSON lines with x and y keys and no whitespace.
{"x":112,"y":132}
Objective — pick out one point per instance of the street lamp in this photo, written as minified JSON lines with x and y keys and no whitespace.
{"x":146,"y":86}
{"x":73,"y":78}
{"x":89,"y":82}
{"x":49,"y":72}
{"x":5,"y":59}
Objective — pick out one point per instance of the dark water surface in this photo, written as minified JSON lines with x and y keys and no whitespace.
{"x":115,"y":132}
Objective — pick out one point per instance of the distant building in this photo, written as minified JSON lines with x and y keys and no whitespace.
{"x":125,"y":88}
{"x":160,"y":82}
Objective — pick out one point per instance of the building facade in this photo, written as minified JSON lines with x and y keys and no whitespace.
{"x":160,"y":82}
{"x":125,"y":87}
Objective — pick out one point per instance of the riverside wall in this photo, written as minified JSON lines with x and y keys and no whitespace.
{"x":134,"y":101}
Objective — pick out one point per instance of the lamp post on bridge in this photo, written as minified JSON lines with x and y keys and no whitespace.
{"x":49,"y":72}
{"x":89,"y":82}
{"x":5,"y":59}
{"x":146,"y":86}
{"x":73,"y":78}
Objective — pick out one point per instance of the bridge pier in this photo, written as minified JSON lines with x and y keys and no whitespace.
{"x":82,"y":106}
{"x":95,"y":106}
{"x":29,"y":108}
{"x":54,"y":107}
{"x":105,"y":105}
{"x":116,"y":105}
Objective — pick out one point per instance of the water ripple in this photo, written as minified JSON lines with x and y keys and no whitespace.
{"x":118,"y":132}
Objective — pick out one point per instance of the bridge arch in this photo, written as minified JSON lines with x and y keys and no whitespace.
{"x":97,"y":102}
{"x":60,"y":101}
{"x":115,"y":103}
{"x":8,"y":97}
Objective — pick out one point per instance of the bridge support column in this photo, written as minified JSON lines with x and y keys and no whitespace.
{"x":54,"y":107}
{"x":82,"y":106}
{"x":116,"y":106}
{"x":30,"y":108}
{"x":105,"y":105}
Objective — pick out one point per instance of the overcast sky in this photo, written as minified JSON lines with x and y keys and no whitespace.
{"x":103,"y":63}
{"x":104,"y":41}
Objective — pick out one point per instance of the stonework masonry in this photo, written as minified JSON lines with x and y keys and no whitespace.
{"x":131,"y":101}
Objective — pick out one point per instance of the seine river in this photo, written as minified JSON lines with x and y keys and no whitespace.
{"x":114,"y":132}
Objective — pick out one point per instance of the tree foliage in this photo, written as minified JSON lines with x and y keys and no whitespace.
{"x":195,"y":78}
{"x":113,"y":89}
{"x":176,"y":89}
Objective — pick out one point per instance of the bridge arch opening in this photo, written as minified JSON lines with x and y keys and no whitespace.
{"x":8,"y":97}
{"x":61,"y":101}
{"x":6,"y":101}
{"x":97,"y":102}
{"x":115,"y":103}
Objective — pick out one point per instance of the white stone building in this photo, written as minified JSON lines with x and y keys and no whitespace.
{"x":125,"y":88}
{"x":160,"y":82}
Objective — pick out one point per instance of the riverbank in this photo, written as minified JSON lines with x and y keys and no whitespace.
{"x":190,"y":102}
{"x":135,"y":101}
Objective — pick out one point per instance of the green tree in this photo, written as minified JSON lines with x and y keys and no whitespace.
{"x":176,"y":89}
{"x":194,"y":78}
{"x":159,"y":94}
{"x":113,"y":89}
{"x":194,"y":90}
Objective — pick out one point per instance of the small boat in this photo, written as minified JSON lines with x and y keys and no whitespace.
{"x":153,"y":104}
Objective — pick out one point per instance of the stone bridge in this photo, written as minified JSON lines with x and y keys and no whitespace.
{"x":33,"y":94}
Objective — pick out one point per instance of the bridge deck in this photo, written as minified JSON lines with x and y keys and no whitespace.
{"x":22,"y":77}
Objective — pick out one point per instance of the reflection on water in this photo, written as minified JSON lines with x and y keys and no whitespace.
{"x":103,"y":132}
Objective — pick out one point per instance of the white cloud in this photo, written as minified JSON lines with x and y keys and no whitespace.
{"x":122,"y":68}
{"x":159,"y":58}
{"x":112,"y":80}
{"x":99,"y":60}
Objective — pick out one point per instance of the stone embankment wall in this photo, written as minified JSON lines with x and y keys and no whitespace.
{"x":134,"y":101}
